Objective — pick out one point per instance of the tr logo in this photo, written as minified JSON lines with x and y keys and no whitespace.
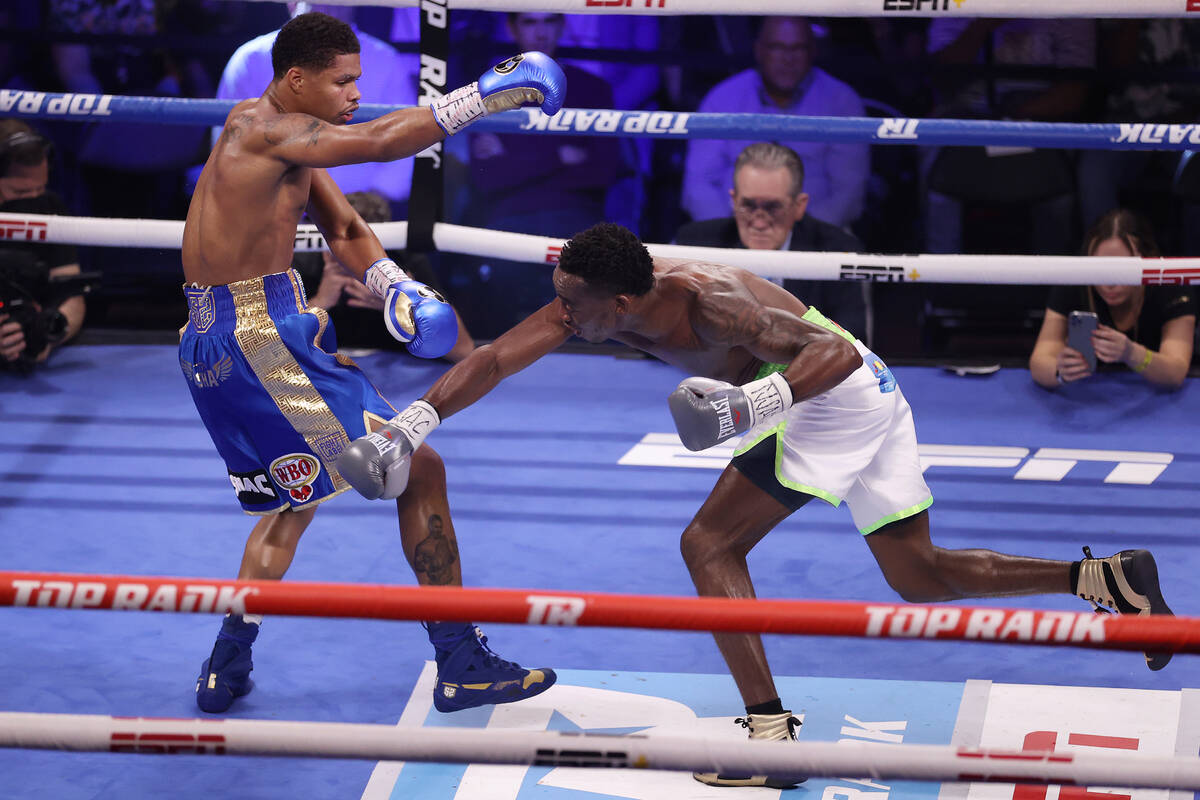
{"x":553,"y":610}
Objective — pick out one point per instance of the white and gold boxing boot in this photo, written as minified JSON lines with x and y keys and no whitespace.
{"x":765,"y":727}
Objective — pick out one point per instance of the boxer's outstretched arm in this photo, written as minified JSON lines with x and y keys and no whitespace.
{"x":528,"y":79}
{"x":377,"y":464}
{"x":477,"y":374}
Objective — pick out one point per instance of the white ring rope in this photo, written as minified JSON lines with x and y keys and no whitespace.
{"x":816,"y":8}
{"x":979,"y":269}
{"x":551,"y":748}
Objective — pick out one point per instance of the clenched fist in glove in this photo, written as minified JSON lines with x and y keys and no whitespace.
{"x":377,"y":464}
{"x":414,"y":314}
{"x":707,"y":412}
{"x":529,"y":79}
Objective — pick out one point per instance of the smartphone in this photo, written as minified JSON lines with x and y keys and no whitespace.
{"x":1080,"y":325}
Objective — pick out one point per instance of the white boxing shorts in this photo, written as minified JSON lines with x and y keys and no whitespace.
{"x":855,"y":443}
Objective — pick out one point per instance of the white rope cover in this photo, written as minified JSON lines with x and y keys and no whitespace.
{"x":978,"y":269}
{"x":552,"y":748}
{"x":818,"y":8}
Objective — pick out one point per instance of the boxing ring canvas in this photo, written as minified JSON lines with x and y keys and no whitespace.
{"x":568,"y":477}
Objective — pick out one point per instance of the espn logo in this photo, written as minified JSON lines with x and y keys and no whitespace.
{"x":1193,"y":5}
{"x":625,"y":3}
{"x":917,"y":5}
{"x":308,"y":239}
{"x":167,"y":743}
{"x":15,"y":230}
{"x":553,"y":252}
{"x":876,"y":273}
{"x":1183,"y":276}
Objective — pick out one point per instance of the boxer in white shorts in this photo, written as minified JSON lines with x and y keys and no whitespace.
{"x":825,"y":419}
{"x":854,"y":443}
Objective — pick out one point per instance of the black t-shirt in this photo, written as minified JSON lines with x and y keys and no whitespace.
{"x":1162,"y":304}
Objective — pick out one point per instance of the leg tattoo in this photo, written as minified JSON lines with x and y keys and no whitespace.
{"x":435,"y":555}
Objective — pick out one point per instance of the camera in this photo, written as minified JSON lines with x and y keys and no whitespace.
{"x":31,"y":299}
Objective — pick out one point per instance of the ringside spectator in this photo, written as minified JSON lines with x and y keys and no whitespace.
{"x":785,"y":81}
{"x":769,"y":213}
{"x":1147,"y":329}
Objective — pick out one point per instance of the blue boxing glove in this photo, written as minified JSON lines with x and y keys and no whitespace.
{"x":528,"y":79}
{"x":414,"y":314}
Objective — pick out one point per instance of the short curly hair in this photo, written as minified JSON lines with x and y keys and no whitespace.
{"x":311,"y":41}
{"x":610,"y":257}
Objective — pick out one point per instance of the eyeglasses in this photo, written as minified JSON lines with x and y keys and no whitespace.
{"x":781,"y":50}
{"x":748,"y":207}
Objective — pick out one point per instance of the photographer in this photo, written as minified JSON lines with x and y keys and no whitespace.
{"x":40,"y":305}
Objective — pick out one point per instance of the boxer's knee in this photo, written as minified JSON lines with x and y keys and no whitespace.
{"x":703,"y":546}
{"x":918,"y":578}
{"x":428,"y":470}
{"x":285,"y":528}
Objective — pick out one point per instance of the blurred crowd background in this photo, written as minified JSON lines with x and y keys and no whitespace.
{"x":885,"y":199}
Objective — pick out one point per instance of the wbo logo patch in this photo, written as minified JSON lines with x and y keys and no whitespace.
{"x":296,"y":472}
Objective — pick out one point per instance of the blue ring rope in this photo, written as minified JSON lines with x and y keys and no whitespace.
{"x":657,"y":124}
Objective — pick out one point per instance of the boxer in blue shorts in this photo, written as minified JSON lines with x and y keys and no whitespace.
{"x":822,"y":417}
{"x":277,"y":398}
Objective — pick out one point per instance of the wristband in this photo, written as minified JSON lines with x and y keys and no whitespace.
{"x":381,"y":275}
{"x":769,"y":397}
{"x":460,"y":108}
{"x":1140,"y":368}
{"x":417,"y":421}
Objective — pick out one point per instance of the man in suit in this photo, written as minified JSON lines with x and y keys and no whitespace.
{"x":769,"y":207}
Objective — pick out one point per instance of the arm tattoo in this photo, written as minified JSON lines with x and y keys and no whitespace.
{"x":235,"y":128}
{"x":277,"y":134}
{"x":315,"y":132}
{"x":738,"y":319}
{"x":732,"y":318}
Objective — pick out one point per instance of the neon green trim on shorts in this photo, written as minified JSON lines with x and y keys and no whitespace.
{"x":821,"y":494}
{"x":817,"y":318}
{"x":768,"y":368}
{"x":899,"y":515}
{"x":777,"y":432}
{"x":745,"y":446}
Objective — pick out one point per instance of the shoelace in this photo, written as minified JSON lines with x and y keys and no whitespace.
{"x":1087,"y":556}
{"x":792,"y":722}
{"x":490,"y":658}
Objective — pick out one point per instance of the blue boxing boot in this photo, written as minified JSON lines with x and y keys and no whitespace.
{"x":470,"y":674}
{"x":225,"y":675}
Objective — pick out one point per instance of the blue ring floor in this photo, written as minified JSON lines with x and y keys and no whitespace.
{"x":107,"y":469}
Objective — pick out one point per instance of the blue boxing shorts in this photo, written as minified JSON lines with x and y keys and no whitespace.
{"x":278,"y":400}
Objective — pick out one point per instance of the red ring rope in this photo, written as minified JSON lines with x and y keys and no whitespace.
{"x":541,"y":607}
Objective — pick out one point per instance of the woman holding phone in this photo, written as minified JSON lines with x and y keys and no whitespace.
{"x":1148,"y":329}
